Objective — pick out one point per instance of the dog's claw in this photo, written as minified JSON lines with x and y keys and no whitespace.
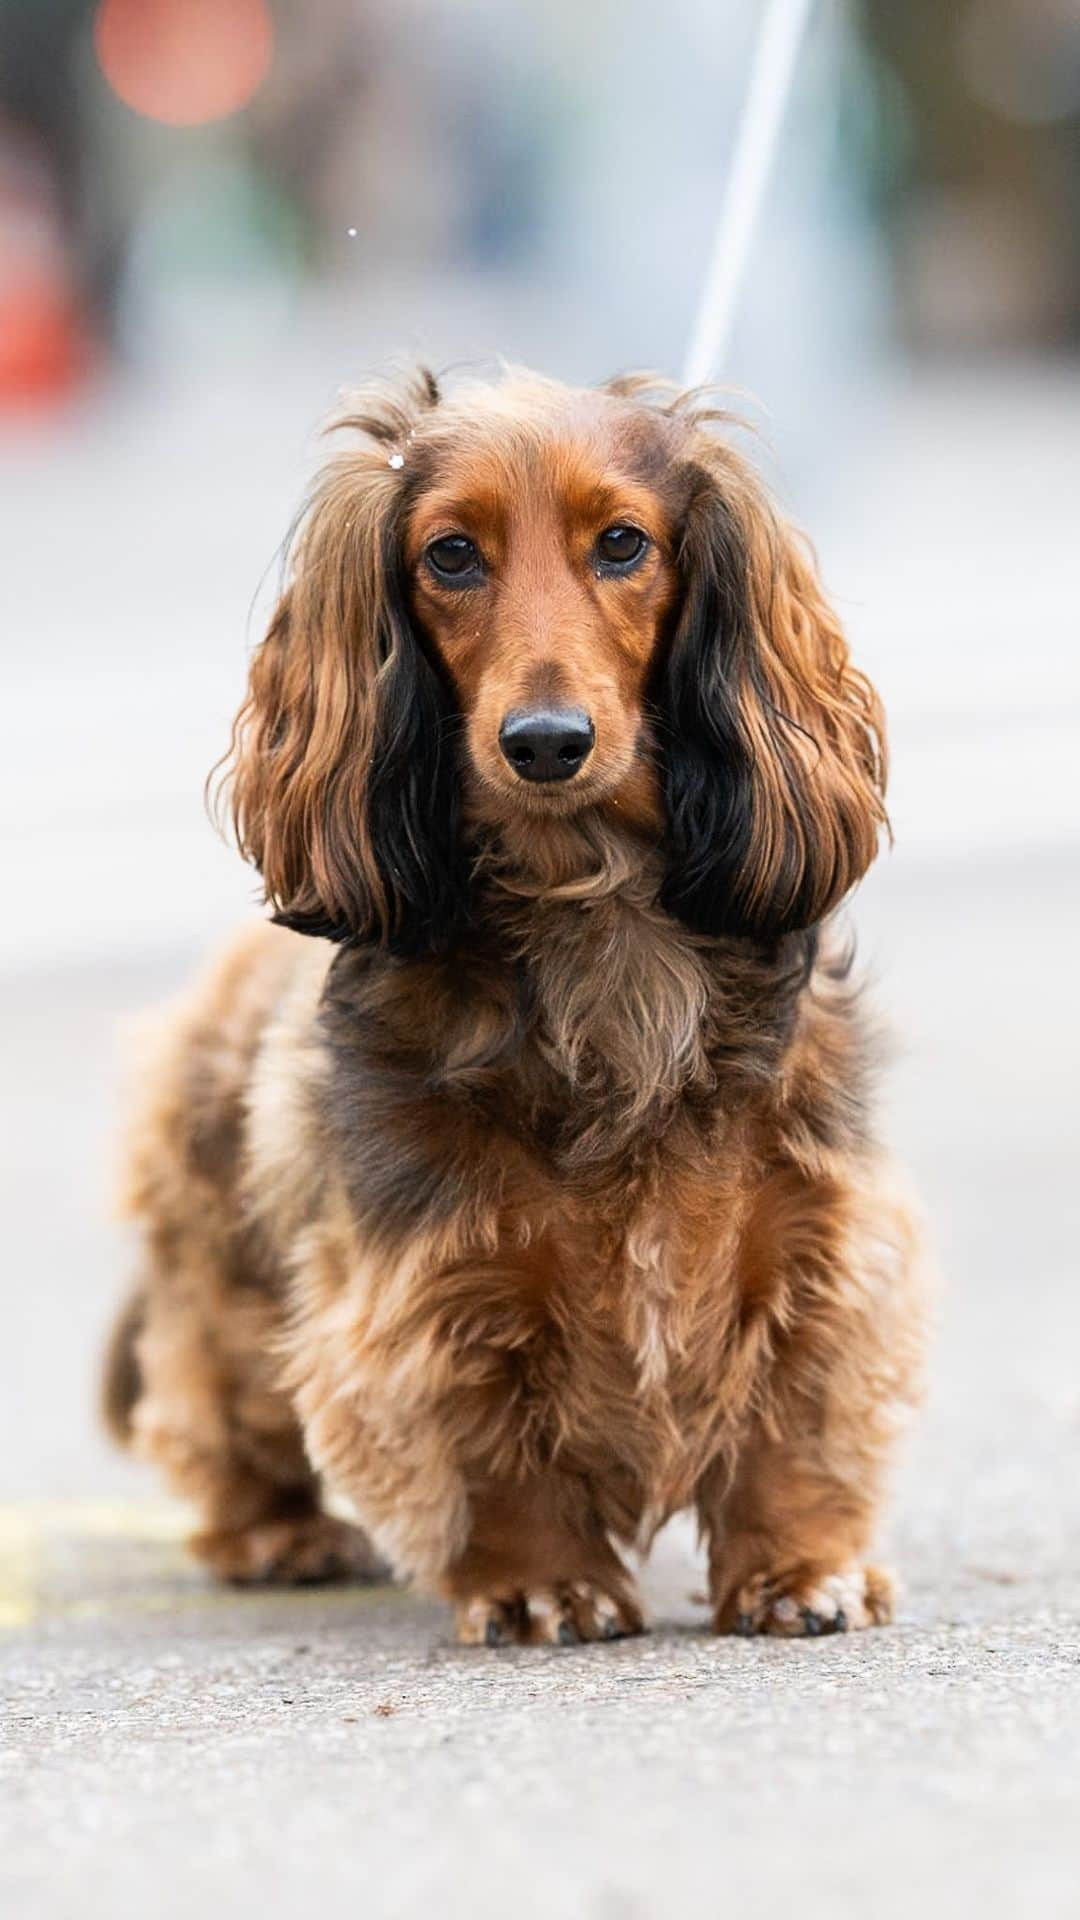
{"x":564,"y":1614}
{"x":809,"y":1608}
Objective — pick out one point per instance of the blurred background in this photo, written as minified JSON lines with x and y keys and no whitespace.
{"x":216,"y":213}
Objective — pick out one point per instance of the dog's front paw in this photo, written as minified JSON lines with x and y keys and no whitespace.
{"x":304,"y":1550}
{"x":563,"y":1614}
{"x":796,"y":1607}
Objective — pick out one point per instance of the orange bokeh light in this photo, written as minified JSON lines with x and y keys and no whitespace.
{"x":184,"y":61}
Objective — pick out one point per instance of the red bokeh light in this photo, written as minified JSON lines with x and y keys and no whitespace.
{"x":184,"y":61}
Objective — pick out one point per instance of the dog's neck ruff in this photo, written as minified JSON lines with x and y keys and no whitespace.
{"x":578,"y":1019}
{"x":618,"y":991}
{"x":633,"y":1019}
{"x":579,"y":1042}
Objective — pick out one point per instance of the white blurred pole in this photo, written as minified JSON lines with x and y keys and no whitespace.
{"x":777,"y":49}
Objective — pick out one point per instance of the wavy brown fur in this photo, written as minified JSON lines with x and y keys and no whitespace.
{"x":539,"y":1198}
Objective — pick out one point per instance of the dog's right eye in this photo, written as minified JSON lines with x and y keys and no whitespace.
{"x":454,"y":557}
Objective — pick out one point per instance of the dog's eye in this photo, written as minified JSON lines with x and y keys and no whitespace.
{"x":453,"y":557}
{"x":618,"y":548}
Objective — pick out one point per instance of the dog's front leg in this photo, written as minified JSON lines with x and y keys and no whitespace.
{"x":787,"y":1543}
{"x":791,"y":1520}
{"x":790,"y":1514}
{"x":426,"y":1406}
{"x":521,"y":1557}
{"x":539,"y":1567}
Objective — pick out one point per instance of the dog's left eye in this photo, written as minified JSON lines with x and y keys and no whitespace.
{"x":619,"y":547}
{"x":454,"y":557}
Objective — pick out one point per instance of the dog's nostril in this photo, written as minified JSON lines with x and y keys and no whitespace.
{"x":547,"y":743}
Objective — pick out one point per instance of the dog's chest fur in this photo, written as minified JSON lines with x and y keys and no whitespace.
{"x":563,"y":1112}
{"x":580,"y":1044}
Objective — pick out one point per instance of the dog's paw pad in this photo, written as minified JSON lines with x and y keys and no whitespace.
{"x":565,"y":1614}
{"x":811,"y":1607}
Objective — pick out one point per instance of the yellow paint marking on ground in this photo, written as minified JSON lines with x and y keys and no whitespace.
{"x":202,"y":1599}
{"x":26,"y":1528}
{"x":18,"y":1568}
{"x":32,"y":1529}
{"x":98,"y":1519}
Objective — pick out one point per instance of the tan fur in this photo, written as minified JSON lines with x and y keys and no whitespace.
{"x":525,"y":1246}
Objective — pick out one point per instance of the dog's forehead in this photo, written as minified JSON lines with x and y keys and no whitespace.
{"x":529,"y":446}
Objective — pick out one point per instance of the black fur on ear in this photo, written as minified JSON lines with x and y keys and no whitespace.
{"x":705,"y":758}
{"x":344,"y":768}
{"x":771,"y":744}
{"x":414,"y":788}
{"x":413,"y":803}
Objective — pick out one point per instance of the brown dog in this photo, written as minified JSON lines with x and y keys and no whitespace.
{"x":536,"y":1197}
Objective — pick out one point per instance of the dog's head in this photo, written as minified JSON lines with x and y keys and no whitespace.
{"x":527,"y":602}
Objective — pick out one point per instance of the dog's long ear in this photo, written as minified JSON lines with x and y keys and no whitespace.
{"x":772,"y":744}
{"x":342,"y":775}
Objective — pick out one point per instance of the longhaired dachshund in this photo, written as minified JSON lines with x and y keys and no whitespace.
{"x":532,"y":1197}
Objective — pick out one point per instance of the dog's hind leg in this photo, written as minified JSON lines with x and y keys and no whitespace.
{"x":191,"y":1375}
{"x":200,"y":1402}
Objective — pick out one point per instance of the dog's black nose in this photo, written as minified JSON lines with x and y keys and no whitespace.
{"x":547,"y":743}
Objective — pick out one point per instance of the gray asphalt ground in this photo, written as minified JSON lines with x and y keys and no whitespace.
{"x":169,"y":1748}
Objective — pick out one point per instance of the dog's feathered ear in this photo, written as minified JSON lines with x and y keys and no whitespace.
{"x":772,"y":744}
{"x":342,"y":775}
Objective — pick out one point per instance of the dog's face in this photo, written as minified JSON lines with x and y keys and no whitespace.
{"x":530,"y":603}
{"x":542,"y":572}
